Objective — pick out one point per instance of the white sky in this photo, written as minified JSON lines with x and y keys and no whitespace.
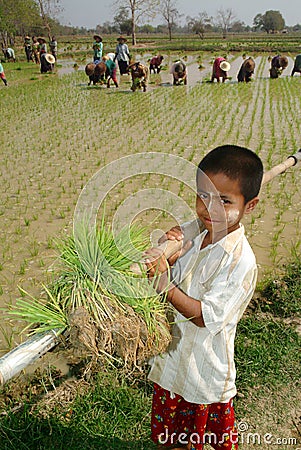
{"x":89,"y":13}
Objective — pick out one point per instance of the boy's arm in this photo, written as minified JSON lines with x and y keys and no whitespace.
{"x":157,"y":271}
{"x":187,"y":306}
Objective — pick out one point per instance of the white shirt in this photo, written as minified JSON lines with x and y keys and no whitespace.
{"x":122,"y":52}
{"x":199,"y":363}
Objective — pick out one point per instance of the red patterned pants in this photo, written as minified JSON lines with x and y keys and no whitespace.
{"x":176,"y":421}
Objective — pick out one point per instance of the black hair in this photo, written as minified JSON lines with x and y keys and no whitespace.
{"x":237,"y":163}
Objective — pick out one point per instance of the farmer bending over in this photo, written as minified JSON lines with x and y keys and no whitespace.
{"x":2,"y":75}
{"x":111,"y":70}
{"x":212,"y":281}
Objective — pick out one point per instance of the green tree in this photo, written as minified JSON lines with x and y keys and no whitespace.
{"x":238,"y":26}
{"x":147,"y":29}
{"x":20,"y":17}
{"x":270,"y":21}
{"x":199,"y":24}
{"x":48,"y":9}
{"x":257,"y":22}
{"x":17,"y":17}
{"x":122,"y":21}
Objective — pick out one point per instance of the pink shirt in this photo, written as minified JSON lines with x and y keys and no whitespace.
{"x":218,"y":72}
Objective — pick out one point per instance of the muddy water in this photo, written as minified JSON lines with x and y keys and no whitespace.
{"x":162,"y":79}
{"x":195,"y":74}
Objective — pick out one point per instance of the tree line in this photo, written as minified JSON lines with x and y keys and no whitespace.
{"x":21,"y":17}
{"x":38,"y":17}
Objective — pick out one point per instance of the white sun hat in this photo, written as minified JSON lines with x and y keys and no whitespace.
{"x":225,"y":66}
{"x":50,"y":58}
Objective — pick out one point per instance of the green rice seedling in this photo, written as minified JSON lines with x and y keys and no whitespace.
{"x":40,"y":316}
{"x":34,"y":248}
{"x":8,"y":336}
{"x":23,"y":267}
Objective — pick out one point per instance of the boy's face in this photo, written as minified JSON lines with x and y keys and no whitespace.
{"x":220,"y":204}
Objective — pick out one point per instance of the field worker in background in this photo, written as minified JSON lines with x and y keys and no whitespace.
{"x":53,"y":47}
{"x":155,"y":64}
{"x":179,"y":73}
{"x":278,"y":64}
{"x":111,"y":70}
{"x":209,"y":283}
{"x":27,"y":48}
{"x":2,"y":75}
{"x":35,"y":50}
{"x":122,"y":55}
{"x":97,"y":48}
{"x":220,"y":69}
{"x":8,"y":53}
{"x":42,"y":46}
{"x":47,"y":62}
{"x":297,"y":65}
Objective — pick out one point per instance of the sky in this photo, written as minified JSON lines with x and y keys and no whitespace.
{"x":89,"y":13}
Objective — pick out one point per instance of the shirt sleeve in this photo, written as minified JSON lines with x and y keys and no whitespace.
{"x":226,"y":301}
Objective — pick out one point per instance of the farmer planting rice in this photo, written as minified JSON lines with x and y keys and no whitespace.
{"x":209,"y":283}
{"x":47,"y":62}
{"x":139,"y":75}
{"x":2,"y":75}
{"x":297,"y":65}
{"x":246,"y":70}
{"x":220,"y":69}
{"x":179,"y":73}
{"x":278,"y":64}
{"x":111,"y":70}
{"x":155,"y":64}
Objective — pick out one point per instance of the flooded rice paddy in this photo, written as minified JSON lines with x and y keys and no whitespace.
{"x":58,"y":133}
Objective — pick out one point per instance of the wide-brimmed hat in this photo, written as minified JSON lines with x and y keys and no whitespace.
{"x":111,"y":55}
{"x":40,"y":39}
{"x":89,"y":69}
{"x":121,"y":38}
{"x":27,"y":37}
{"x":225,"y":66}
{"x":49,"y":58}
{"x":96,"y":36}
{"x":283,"y":61}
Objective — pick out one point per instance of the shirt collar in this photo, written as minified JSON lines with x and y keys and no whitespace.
{"x":228,"y":242}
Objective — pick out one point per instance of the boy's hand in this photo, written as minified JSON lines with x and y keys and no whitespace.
{"x":157,"y":269}
{"x":175,"y":234}
{"x":156,"y":262}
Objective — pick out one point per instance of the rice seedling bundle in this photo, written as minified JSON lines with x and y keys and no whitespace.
{"x":103,"y":310}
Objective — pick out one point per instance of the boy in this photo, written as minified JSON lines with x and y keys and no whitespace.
{"x":213,"y":280}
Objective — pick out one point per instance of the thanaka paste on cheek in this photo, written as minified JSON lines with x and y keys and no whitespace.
{"x":232,"y":216}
